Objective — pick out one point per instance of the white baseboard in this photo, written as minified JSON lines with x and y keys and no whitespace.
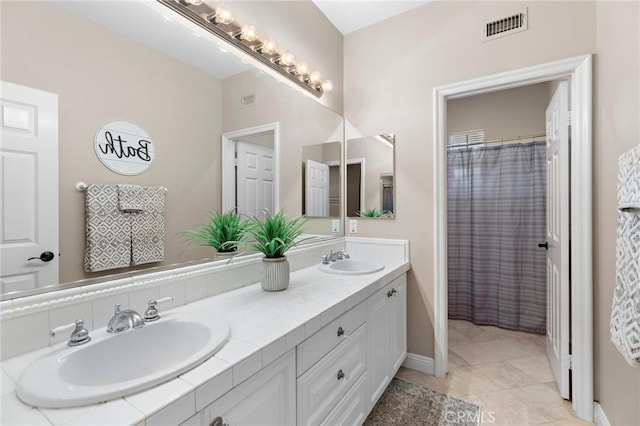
{"x":599,"y":418}
{"x":420,"y":363}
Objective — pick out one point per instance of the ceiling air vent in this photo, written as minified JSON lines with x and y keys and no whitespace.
{"x":505,"y":26}
{"x":247,"y":101}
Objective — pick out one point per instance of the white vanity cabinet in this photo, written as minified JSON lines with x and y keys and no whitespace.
{"x":267,"y":398}
{"x":386,"y":335}
{"x":334,"y":377}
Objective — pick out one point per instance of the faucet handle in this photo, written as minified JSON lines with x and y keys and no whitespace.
{"x":79,"y":335}
{"x":117,"y":308}
{"x":151,"y":314}
{"x":325,"y":259}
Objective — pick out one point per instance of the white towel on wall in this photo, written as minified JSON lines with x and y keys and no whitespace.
{"x":108,"y":230}
{"x":625,"y":313}
{"x":147,"y":227}
{"x":130,"y":198}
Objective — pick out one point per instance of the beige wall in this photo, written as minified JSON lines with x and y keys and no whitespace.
{"x":390,"y":89}
{"x":100,"y":77}
{"x":503,"y":114}
{"x":441,"y":44}
{"x":300,"y":27}
{"x":616,"y":108}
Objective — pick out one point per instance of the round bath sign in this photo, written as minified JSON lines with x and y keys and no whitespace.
{"x":124,"y":148}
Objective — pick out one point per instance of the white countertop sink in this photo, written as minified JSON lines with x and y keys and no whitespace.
{"x":351,"y":267}
{"x":116,"y":365}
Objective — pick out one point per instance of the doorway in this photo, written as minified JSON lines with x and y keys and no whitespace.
{"x":250,"y":171}
{"x":578,"y":72}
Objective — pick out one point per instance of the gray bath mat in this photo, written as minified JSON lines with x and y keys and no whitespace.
{"x":404,"y":403}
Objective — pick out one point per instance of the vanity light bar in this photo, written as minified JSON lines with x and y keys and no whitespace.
{"x":219,"y":22}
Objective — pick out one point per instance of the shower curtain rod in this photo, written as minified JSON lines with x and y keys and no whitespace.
{"x":513,"y":138}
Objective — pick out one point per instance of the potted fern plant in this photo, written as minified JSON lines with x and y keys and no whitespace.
{"x":222,"y":231}
{"x":272,"y":237}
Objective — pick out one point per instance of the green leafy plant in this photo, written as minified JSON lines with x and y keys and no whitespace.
{"x":221,"y":231}
{"x":274,"y":235}
{"x":374,"y":212}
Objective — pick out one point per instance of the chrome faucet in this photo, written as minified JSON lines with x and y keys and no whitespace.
{"x":124,"y":320}
{"x":79,"y":335}
{"x":334,"y":256}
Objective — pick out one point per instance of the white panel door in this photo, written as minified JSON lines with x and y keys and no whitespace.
{"x":255,"y":180}
{"x":558,"y":236}
{"x":316,"y":191}
{"x":29,"y":188}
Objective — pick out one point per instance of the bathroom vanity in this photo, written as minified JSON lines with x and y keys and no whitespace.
{"x":320,"y":352}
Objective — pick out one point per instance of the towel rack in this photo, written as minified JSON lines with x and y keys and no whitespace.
{"x":81,"y":186}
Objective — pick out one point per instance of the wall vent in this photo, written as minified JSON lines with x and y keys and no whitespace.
{"x":505,"y":26}
{"x":247,"y":101}
{"x":467,"y":137}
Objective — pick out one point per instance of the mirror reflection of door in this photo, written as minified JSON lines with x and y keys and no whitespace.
{"x":255,"y":175}
{"x":354,"y":189}
{"x":321,"y":179}
{"x":28,"y":188}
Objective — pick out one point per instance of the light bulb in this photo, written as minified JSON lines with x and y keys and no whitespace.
{"x":315,"y":77}
{"x":302,"y":68}
{"x":327,"y":86}
{"x":287,"y":59}
{"x":248,"y":33}
{"x":269,"y":47}
{"x":224,"y":16}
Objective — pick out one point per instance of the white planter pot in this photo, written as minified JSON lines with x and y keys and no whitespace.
{"x":275,"y":274}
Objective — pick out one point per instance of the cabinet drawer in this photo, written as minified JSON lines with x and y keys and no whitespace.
{"x":326,"y":383}
{"x":352,"y":410}
{"x":327,"y":338}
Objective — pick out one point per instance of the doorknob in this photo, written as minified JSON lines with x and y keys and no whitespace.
{"x":45,"y":256}
{"x":544,"y":245}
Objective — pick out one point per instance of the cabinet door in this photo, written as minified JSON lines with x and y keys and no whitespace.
{"x":378,"y":344}
{"x":268,"y":398}
{"x":399,"y":322}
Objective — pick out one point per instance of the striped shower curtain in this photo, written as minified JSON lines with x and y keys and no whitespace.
{"x":496,"y":218}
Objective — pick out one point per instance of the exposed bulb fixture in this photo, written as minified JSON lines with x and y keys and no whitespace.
{"x":315,"y":77}
{"x":248,"y":33}
{"x":219,"y":21}
{"x":223,"y":16}
{"x":287,"y":59}
{"x":302,"y":68}
{"x":268,"y":48}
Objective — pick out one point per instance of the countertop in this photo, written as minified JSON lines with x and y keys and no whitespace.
{"x":263,"y":326}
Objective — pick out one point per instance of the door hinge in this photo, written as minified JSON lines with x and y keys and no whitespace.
{"x":570,"y":362}
{"x":569,"y":118}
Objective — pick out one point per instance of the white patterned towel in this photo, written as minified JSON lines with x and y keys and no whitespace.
{"x":130,"y":198}
{"x":625,"y":313}
{"x":108,"y":230}
{"x":147,"y":228}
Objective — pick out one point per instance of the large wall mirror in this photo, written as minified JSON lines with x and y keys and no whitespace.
{"x":370,"y":177}
{"x":109,"y":61}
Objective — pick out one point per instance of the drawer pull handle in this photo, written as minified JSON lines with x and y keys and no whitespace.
{"x":340,"y":374}
{"x":217,"y":422}
{"x":340,"y":331}
{"x":392,"y":292}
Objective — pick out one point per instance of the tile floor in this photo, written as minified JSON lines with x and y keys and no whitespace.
{"x":506,"y":372}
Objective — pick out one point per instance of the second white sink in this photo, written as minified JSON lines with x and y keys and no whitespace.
{"x":116,"y":365}
{"x":351,"y":267}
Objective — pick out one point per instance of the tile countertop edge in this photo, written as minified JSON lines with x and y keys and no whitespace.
{"x":365,"y":286}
